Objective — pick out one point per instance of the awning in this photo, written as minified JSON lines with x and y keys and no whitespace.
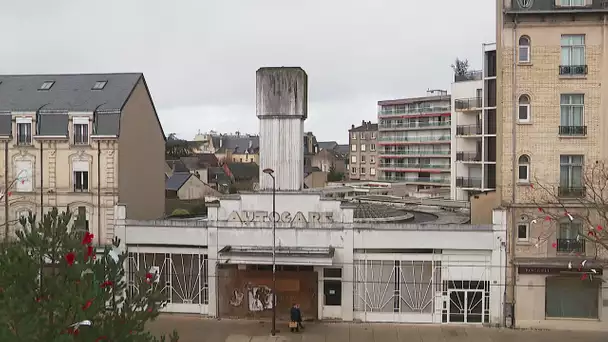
{"x":312,"y":256}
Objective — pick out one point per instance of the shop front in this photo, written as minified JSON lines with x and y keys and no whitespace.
{"x":560,"y":297}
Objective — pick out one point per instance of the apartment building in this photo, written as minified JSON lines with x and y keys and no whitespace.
{"x":363,"y":155}
{"x":82,"y":143}
{"x":553,"y":127}
{"x":414,"y":140}
{"x":474,"y":129}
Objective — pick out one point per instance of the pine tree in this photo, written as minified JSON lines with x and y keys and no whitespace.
{"x":54,"y":286}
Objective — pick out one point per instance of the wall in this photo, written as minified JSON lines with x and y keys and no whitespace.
{"x":195,"y":188}
{"x":482,"y":207}
{"x":316,"y":180}
{"x":141,"y":179}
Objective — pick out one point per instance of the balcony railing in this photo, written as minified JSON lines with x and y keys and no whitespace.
{"x":415,"y":166}
{"x":468,"y":156}
{"x":413,"y":139}
{"x":414,"y":153}
{"x":573,"y":131}
{"x":415,"y":111}
{"x":572,"y":192}
{"x":468,"y":130}
{"x":570,"y":246}
{"x":414,"y":180}
{"x":416,"y":124}
{"x":467,"y":182}
{"x":572,"y":70}
{"x":467,"y":104}
{"x":469,"y":76}
{"x":552,"y":6}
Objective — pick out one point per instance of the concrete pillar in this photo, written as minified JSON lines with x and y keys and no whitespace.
{"x":498,"y":268}
{"x":347,"y":260}
{"x":282,"y":107}
{"x":212,"y":257}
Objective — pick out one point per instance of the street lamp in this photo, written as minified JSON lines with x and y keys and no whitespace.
{"x":270,"y":172}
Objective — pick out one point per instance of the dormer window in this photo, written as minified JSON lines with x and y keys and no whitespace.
{"x":46,"y":85}
{"x":81,"y":131}
{"x":99,"y":85}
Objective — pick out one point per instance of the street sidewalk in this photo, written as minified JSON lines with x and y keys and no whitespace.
{"x":197,"y":329}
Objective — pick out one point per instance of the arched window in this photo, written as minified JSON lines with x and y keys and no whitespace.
{"x":524,"y":108}
{"x":523,"y":169}
{"x":524,"y":49}
{"x":569,"y":229}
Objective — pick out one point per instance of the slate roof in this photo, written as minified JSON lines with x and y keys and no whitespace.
{"x":177,"y":166}
{"x":200,"y":161}
{"x":244,"y":171}
{"x":69,"y":92}
{"x":327,"y":145}
{"x":217,"y":175}
{"x":343,"y":149}
{"x":237,"y":144}
{"x":177,"y":180}
{"x":365,"y":127}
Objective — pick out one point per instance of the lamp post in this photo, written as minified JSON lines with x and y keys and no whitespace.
{"x":273,"y":332}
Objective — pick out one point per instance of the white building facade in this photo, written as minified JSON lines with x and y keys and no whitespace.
{"x":474,"y":129}
{"x":333,"y":267}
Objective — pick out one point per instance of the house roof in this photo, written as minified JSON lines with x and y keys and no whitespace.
{"x":238,"y":144}
{"x":365,"y":127}
{"x":327,"y":145}
{"x":177,"y":166}
{"x":68,"y":93}
{"x":200,"y":161}
{"x":217,"y":175}
{"x":244,"y":170}
{"x":343,"y":149}
{"x":177,"y":180}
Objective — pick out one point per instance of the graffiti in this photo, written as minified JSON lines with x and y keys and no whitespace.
{"x":237,"y":298}
{"x":260,"y":298}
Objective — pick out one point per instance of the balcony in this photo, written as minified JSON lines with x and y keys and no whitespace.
{"x":414,"y":180}
{"x":467,"y":182}
{"x":551,"y":7}
{"x":414,"y":153}
{"x":570,"y":246}
{"x":405,"y":140}
{"x":415,"y":111}
{"x":469,"y":76}
{"x":467,"y":104}
{"x":415,"y":124}
{"x":572,"y":70}
{"x":571,"y":192}
{"x":573,"y":131}
{"x":468,"y":130}
{"x":468,"y":156}
{"x":415,"y":166}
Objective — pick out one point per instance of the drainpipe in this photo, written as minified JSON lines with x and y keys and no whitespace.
{"x":98,"y":192}
{"x":6,"y":185}
{"x":41,"y":180}
{"x":514,"y":169}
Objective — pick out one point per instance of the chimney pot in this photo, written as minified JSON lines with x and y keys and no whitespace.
{"x":362,"y":122}
{"x":352,"y":126}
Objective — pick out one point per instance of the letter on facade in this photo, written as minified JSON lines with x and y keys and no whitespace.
{"x":299,"y":218}
{"x":234,"y":217}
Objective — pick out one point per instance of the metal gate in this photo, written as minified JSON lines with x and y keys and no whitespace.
{"x":182,"y":277}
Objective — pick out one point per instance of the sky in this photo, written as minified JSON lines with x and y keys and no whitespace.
{"x":199,"y":57}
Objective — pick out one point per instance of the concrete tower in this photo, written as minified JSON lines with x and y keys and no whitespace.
{"x":282,"y":107}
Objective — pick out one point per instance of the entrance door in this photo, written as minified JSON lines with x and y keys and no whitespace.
{"x":465,"y":306}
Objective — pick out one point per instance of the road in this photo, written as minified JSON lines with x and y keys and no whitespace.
{"x":197,"y":329}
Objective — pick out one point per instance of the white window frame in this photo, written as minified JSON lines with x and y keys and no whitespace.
{"x":353,"y":147}
{"x":362,"y":147}
{"x":524,"y":47}
{"x":353,"y":135}
{"x":81,"y":166}
{"x":572,"y":47}
{"x":373,"y":135}
{"x":524,"y":105}
{"x":372,"y":171}
{"x":527,"y":238}
{"x":571,"y":3}
{"x":372,"y":160}
{"x":353,"y":159}
{"x":353,"y":170}
{"x":362,"y":171}
{"x":28,"y":139}
{"x":77,"y":123}
{"x":372,"y":147}
{"x":527,"y":165}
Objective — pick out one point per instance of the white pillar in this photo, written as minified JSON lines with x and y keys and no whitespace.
{"x":498,"y":267}
{"x":212,"y":257}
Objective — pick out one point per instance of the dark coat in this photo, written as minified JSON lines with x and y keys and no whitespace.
{"x":296,"y":315}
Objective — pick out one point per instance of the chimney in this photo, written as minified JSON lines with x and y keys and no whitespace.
{"x":352,"y":127}
{"x":362,"y":122}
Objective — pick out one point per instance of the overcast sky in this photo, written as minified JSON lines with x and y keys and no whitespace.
{"x":200,"y":56}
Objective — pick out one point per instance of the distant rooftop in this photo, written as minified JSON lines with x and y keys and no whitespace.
{"x":473,"y":75}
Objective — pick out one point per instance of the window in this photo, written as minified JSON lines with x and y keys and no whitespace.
{"x":81,"y":221}
{"x":99,"y":85}
{"x":353,"y":135}
{"x":353,"y":159}
{"x":372,"y":147}
{"x":523,"y":232}
{"x":362,"y":147}
{"x":524,"y":49}
{"x":353,"y":148}
{"x":569,"y":297}
{"x":571,"y":176}
{"x":523,"y":169}
{"x":372,"y":171}
{"x":353,"y":170}
{"x":362,"y":135}
{"x":23,"y":176}
{"x":372,"y":160}
{"x":362,"y":170}
{"x":362,"y":159}
{"x":332,"y":286}
{"x":568,"y":240}
{"x":572,"y":108}
{"x":24,"y":131}
{"x":81,"y":176}
{"x":81,"y":131}
{"x":524,"y":108}
{"x":573,"y":55}
{"x":46,"y":85}
{"x":571,"y":3}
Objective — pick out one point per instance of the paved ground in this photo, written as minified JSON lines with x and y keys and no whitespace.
{"x":196,"y":329}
